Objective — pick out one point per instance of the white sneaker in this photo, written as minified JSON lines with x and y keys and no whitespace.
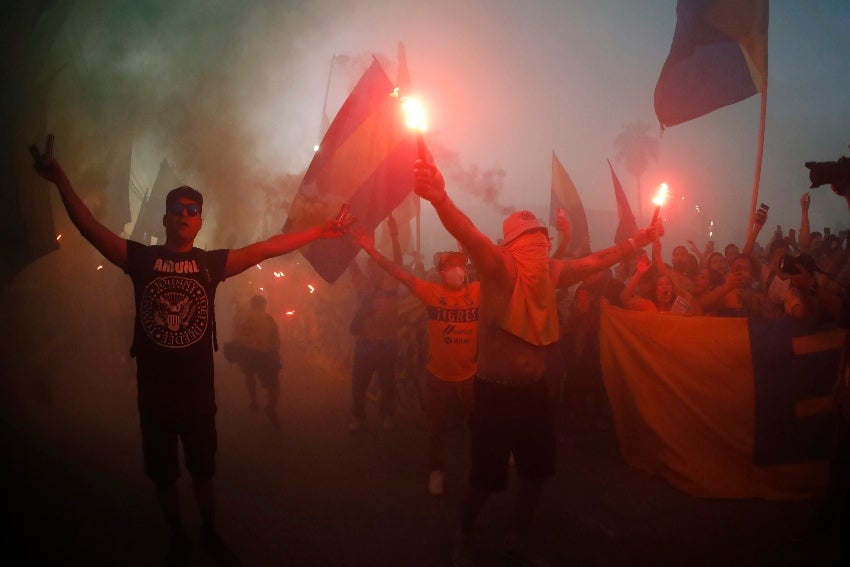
{"x":389,"y":423}
{"x":355,"y":425}
{"x":435,"y":483}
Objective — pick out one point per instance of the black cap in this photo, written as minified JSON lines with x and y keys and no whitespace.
{"x":185,"y":192}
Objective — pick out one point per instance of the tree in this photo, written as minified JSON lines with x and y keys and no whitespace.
{"x":635,"y":146}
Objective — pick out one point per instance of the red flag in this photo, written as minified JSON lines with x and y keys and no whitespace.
{"x":365,"y":159}
{"x":408,"y":210}
{"x":626,"y":226}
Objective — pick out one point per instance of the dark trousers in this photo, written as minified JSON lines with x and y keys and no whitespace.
{"x":441,"y":396}
{"x":374,"y":356}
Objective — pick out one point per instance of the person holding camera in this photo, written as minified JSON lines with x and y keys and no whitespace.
{"x":836,"y":509}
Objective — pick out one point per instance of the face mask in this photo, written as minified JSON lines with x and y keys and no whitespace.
{"x":530,"y":242}
{"x":454,"y":277}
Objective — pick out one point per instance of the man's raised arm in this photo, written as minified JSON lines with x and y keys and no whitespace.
{"x":367,"y":243}
{"x":112,"y":246}
{"x":430,"y":185}
{"x":568,"y":272}
{"x":241,"y":259}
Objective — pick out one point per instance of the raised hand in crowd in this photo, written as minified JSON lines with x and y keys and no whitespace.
{"x":628,"y":295}
{"x":712,"y":300}
{"x":754,"y":230}
{"x":700,"y":254}
{"x":805,"y":231}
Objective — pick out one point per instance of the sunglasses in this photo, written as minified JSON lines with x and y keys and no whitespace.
{"x":192,"y":209}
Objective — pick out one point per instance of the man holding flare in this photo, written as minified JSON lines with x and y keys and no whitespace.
{"x":512,"y":412}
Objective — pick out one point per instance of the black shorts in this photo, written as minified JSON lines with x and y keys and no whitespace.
{"x":265,"y":365}
{"x":160,"y":434}
{"x":511,"y":419}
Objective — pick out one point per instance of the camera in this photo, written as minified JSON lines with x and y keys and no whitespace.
{"x":790,"y":265}
{"x":835,"y":173}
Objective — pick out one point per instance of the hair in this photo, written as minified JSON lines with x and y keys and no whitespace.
{"x":258,"y":302}
{"x":651,"y":290}
{"x":778,"y":243}
{"x":646,"y":286}
{"x":750,"y":261}
{"x":715,"y":278}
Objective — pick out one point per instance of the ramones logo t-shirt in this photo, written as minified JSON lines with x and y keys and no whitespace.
{"x":174,"y":311}
{"x":175,"y":298}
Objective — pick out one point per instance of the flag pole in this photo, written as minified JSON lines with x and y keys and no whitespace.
{"x":323,"y":126}
{"x":418,"y":228}
{"x":759,"y":155}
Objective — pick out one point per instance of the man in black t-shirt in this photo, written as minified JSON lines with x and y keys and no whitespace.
{"x":174,"y":335}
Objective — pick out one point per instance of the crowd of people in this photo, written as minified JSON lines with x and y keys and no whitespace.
{"x":510,"y":331}
{"x":798,"y":278}
{"x":785,"y":277}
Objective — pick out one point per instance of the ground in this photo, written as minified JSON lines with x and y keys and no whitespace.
{"x":312,"y":494}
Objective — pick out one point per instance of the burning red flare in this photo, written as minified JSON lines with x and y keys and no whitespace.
{"x":660,"y":198}
{"x":414,"y":113}
{"x":661,"y":195}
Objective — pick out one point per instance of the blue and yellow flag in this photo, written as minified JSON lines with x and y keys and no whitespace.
{"x":365,"y":159}
{"x":718,"y":57}
{"x":626,"y":225}
{"x":722,"y":407}
{"x":564,"y":195}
